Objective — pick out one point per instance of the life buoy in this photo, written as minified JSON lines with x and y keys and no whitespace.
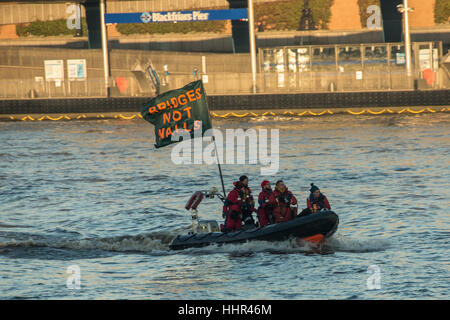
{"x":194,"y":201}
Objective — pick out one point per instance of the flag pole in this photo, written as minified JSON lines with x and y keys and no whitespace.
{"x":215,"y":147}
{"x":220,"y":168}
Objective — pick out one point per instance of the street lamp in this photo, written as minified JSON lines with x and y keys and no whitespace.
{"x":403,"y":8}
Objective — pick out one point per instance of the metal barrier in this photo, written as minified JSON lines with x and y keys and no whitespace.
{"x":216,"y":84}
{"x":38,"y":88}
{"x":351,"y":67}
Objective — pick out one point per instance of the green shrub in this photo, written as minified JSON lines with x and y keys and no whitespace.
{"x":47,"y":28}
{"x":21,"y":29}
{"x":280,"y":15}
{"x":285,"y":15}
{"x":442,"y":11}
{"x":179,"y":27}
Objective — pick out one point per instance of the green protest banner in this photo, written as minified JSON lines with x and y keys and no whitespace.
{"x":180,"y":109}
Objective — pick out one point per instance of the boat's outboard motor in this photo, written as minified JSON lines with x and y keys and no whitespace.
{"x":191,"y":206}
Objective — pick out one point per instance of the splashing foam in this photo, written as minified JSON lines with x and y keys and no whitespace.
{"x":288,"y":246}
{"x":337,"y":243}
{"x":342,"y":243}
{"x":159,"y":241}
{"x":140,"y":243}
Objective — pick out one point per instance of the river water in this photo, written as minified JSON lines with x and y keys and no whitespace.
{"x":97,"y":195}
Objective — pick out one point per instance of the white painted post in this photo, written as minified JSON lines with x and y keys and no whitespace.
{"x":104,"y":47}
{"x":251,"y":28}
{"x":203,"y":64}
{"x":407,"y":39}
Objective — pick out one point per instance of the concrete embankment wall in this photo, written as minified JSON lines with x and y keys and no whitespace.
{"x":243,"y":103}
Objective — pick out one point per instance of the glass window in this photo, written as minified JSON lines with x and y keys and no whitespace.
{"x":375,"y":58}
{"x":349,"y":58}
{"x":279,"y":60}
{"x":398,"y":57}
{"x":268,"y":60}
{"x":323,"y":59}
{"x":298,"y":59}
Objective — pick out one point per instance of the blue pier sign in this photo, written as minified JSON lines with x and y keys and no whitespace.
{"x":177,"y":16}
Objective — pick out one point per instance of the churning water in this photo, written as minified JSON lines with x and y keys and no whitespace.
{"x":98,"y":195}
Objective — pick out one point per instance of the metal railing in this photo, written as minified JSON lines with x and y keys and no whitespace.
{"x":219,"y":84}
{"x":30,"y":88}
{"x":373,"y":65}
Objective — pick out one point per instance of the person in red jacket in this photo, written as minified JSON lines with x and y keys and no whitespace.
{"x":316,"y":200}
{"x":283,"y":202}
{"x":248,"y":204}
{"x":232,"y":208}
{"x":265,"y":208}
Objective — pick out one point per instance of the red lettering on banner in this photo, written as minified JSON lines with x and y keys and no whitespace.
{"x":174,"y":102}
{"x":166,"y":117}
{"x":188,"y":110}
{"x":191,"y":95}
{"x":161,"y":133}
{"x":152,"y":110}
{"x":176,"y":115}
{"x":182,"y":99}
{"x":198,"y":94}
{"x":161,"y":106}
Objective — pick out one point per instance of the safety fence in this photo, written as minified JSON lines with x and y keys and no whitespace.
{"x":300,"y":69}
{"x":304,"y":82}
{"x":344,"y":67}
{"x":39,"y":88}
{"x":215,"y":84}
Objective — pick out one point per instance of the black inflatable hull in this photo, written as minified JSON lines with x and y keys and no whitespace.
{"x":320,"y":224}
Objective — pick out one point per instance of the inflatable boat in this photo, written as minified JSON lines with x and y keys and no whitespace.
{"x":314,"y":227}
